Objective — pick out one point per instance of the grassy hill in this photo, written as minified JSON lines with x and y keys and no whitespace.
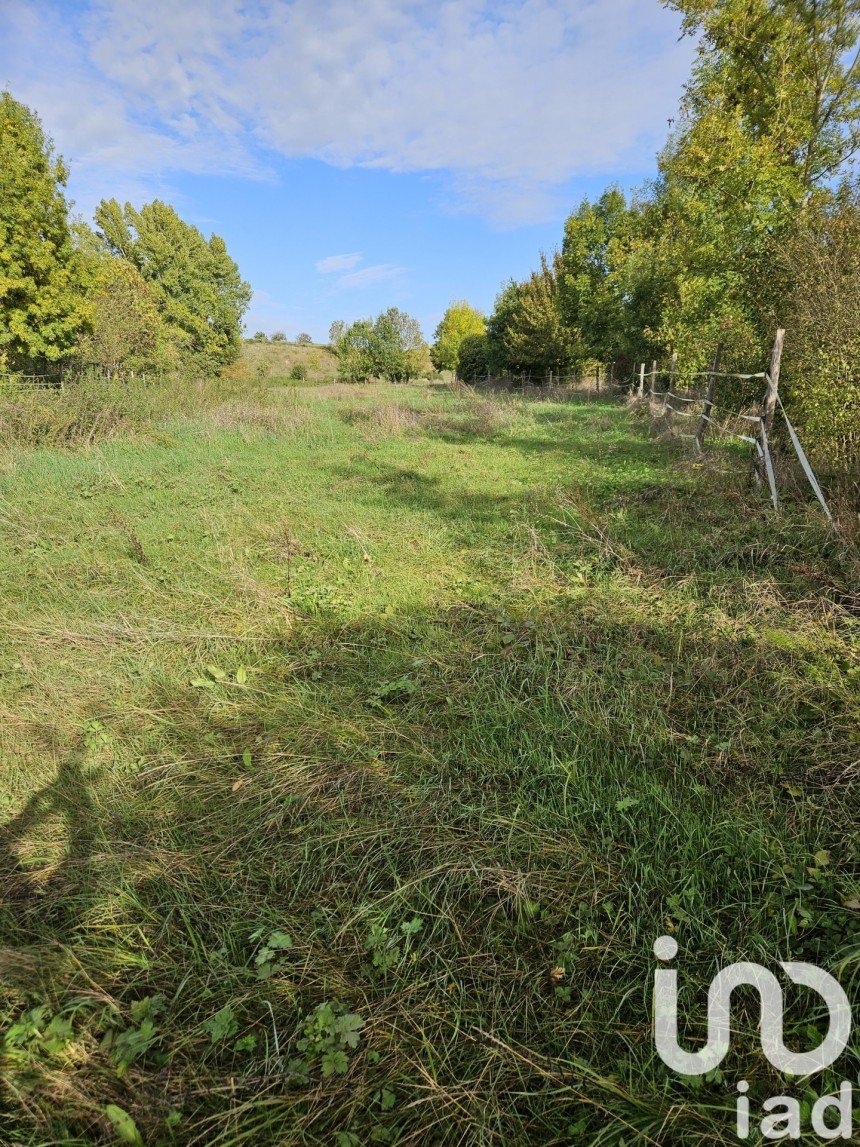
{"x":358,"y":743}
{"x":275,"y":360}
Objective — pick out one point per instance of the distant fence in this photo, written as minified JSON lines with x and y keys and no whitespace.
{"x":761,"y":422}
{"x":10,"y":381}
{"x":543,"y":381}
{"x":58,"y":379}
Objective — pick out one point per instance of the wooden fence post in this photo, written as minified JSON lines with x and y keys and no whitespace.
{"x":709,"y":398}
{"x":670,"y":386}
{"x":642,"y":380}
{"x":653,"y":375}
{"x":768,"y":407}
{"x":770,"y":396}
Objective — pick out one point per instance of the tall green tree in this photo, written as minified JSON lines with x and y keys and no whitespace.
{"x":607,"y":295}
{"x":42,"y":310}
{"x":527,"y":331}
{"x":201,"y":292}
{"x":355,"y":351}
{"x":399,"y":347}
{"x":778,"y":79}
{"x":459,"y":322}
{"x":392,"y":347}
{"x":769,"y":117}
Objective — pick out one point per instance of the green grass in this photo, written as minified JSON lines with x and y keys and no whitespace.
{"x":386,"y":703}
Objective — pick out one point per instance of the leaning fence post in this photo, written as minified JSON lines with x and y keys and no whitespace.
{"x":768,"y":408}
{"x":708,"y":404}
{"x":642,"y":380}
{"x":770,"y":396}
{"x":670,"y":386}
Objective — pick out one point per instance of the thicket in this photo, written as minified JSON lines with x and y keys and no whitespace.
{"x":752,"y":222}
{"x":144,"y":290}
{"x":473,"y":360}
{"x":460,"y":322}
{"x":391,"y":347}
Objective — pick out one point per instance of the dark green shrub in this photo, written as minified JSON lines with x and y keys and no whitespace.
{"x":472,"y":358}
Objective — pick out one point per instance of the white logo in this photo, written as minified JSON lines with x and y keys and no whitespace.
{"x":770,"y":1015}
{"x":783,"y":1118}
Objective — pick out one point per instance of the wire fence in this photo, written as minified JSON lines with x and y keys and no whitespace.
{"x":543,"y":381}
{"x":57,"y":380}
{"x":663,"y":402}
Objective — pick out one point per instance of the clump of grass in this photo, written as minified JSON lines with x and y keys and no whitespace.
{"x":85,"y":411}
{"x":266,"y":416}
{"x":382,"y":418}
{"x":93,"y":408}
{"x":471,"y":417}
{"x":352,"y":816}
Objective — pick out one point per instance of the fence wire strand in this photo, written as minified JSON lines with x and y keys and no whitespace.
{"x":761,"y":443}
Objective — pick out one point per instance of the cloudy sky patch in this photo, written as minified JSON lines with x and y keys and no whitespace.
{"x":502,"y":108}
{"x":334,"y":263}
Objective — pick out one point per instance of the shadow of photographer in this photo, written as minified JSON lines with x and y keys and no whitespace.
{"x":39,"y":891}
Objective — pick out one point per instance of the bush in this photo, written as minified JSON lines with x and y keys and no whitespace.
{"x":390,"y":347}
{"x":278,"y":337}
{"x":298,"y":371}
{"x":473,"y":358}
{"x":128,"y":332}
{"x":304,"y":339}
{"x":821,"y":372}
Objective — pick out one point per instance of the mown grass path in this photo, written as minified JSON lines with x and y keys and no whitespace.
{"x":357,"y":744}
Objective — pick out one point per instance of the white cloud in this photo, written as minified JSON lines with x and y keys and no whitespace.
{"x":510,"y":99}
{"x":370,"y":276}
{"x":338,"y":263}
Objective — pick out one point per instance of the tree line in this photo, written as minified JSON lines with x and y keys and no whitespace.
{"x":302,"y":339}
{"x":140,"y":290}
{"x":752,"y":222}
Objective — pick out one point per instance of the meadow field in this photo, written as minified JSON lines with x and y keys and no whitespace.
{"x":275,"y":360}
{"x":359,"y":741}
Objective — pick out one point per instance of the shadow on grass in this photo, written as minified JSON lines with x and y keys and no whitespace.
{"x":40,"y":890}
{"x":671,"y":527}
{"x":471,"y":823}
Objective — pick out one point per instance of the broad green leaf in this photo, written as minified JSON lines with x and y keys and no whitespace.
{"x":123,"y":1124}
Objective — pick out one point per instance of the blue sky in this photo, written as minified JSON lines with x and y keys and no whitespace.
{"x":354,"y":157}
